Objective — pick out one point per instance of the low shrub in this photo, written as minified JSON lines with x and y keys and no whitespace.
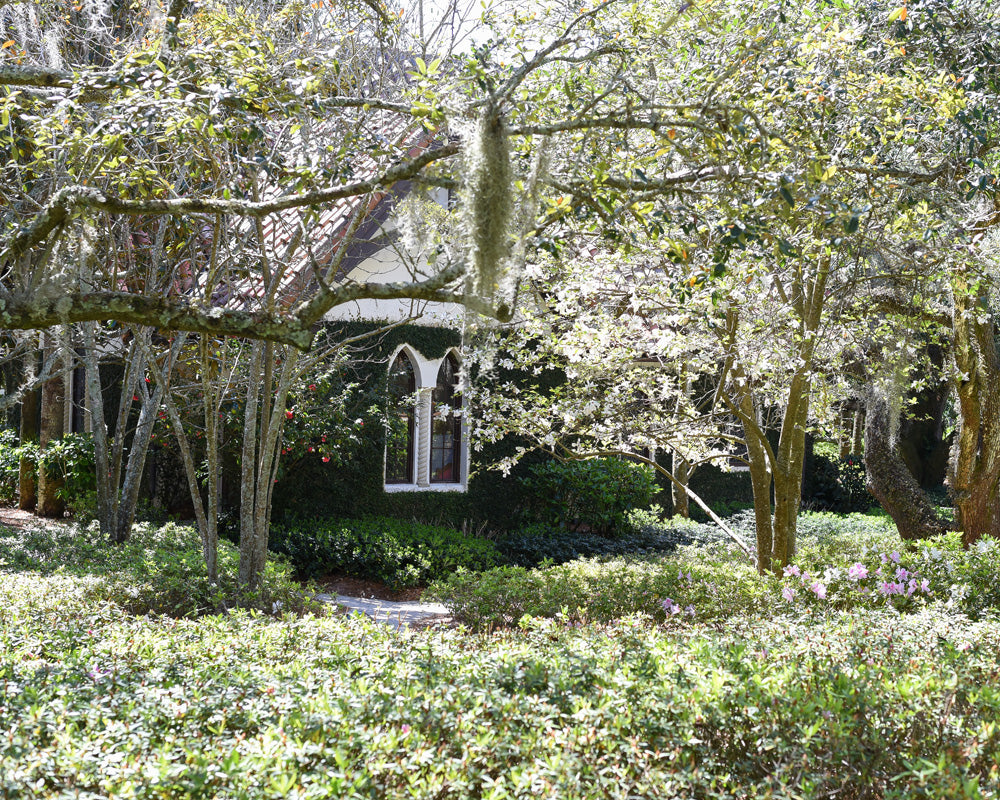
{"x":69,"y":459}
{"x":160,"y":570}
{"x":400,"y":554}
{"x":843,"y":563}
{"x":687,"y":583}
{"x":594,"y":495}
{"x":535,"y":544}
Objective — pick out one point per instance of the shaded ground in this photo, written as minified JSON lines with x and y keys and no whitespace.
{"x":16,"y":518}
{"x":357,"y":587}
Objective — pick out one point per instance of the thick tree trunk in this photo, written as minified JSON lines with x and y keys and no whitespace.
{"x":27,"y":469}
{"x":974,"y":472}
{"x":53,"y":408}
{"x":889,"y":479}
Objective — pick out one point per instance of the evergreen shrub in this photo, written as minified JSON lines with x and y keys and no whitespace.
{"x":593,"y":495}
{"x":398,"y":553}
{"x":159,"y":570}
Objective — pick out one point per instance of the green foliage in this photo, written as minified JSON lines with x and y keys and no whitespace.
{"x":595,"y":494}
{"x":704,"y":583}
{"x":797,"y":704}
{"x":398,"y":553}
{"x":10,"y":465}
{"x":71,"y":460}
{"x":844,"y":562}
{"x":160,"y":570}
{"x":836,"y":484}
{"x":646,"y":534}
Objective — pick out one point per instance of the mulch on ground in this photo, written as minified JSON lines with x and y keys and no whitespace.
{"x":19,"y":519}
{"x":357,"y":587}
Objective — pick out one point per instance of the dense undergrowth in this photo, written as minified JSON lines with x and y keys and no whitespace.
{"x":728,"y":686}
{"x":844,"y":562}
{"x":160,"y":569}
{"x":868,"y":704}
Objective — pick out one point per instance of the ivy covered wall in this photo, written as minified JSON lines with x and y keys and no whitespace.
{"x":353,"y":486}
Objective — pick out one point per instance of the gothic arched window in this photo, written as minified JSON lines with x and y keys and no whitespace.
{"x":400,"y":422}
{"x":446,"y":425}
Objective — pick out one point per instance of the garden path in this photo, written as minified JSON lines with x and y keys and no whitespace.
{"x":394,"y":613}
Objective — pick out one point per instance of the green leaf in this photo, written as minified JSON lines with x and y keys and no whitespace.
{"x":787,"y":196}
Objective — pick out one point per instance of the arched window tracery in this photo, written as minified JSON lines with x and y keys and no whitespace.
{"x":401,"y":421}
{"x":446,"y":425}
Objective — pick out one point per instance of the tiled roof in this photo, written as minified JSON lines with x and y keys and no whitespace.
{"x":300,"y":238}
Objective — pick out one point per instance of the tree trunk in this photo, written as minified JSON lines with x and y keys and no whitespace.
{"x":889,"y":479}
{"x":27,"y":469}
{"x":974,"y":472}
{"x":260,"y":458}
{"x":51,"y":429}
{"x":682,"y":472}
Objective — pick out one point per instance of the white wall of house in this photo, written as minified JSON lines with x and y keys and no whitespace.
{"x":388,"y":266}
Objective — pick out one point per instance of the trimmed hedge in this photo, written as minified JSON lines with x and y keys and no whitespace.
{"x":400,"y":554}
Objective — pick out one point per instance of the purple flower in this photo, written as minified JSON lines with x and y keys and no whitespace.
{"x":791,"y":570}
{"x":689,"y":611}
{"x":894,"y":556}
{"x":670,"y":607}
{"x":788,"y":593}
{"x":858,"y":572}
{"x":902,"y":574}
{"x":925,"y":585}
{"x":819,"y":590}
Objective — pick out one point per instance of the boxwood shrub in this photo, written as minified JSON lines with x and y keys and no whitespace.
{"x":398,"y":553}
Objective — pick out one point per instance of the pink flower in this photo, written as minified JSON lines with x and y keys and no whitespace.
{"x":925,"y":585}
{"x":791,"y":570}
{"x":857,"y":572}
{"x":819,"y":590}
{"x":788,"y":593}
{"x":894,"y":556}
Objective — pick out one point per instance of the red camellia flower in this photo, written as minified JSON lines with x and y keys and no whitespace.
{"x":289,"y":414}
{"x":312,"y":387}
{"x":326,"y":458}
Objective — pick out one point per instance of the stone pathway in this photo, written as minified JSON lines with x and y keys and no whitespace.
{"x":395,"y":614}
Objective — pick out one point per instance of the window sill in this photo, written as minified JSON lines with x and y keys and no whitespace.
{"x":392,"y":488}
